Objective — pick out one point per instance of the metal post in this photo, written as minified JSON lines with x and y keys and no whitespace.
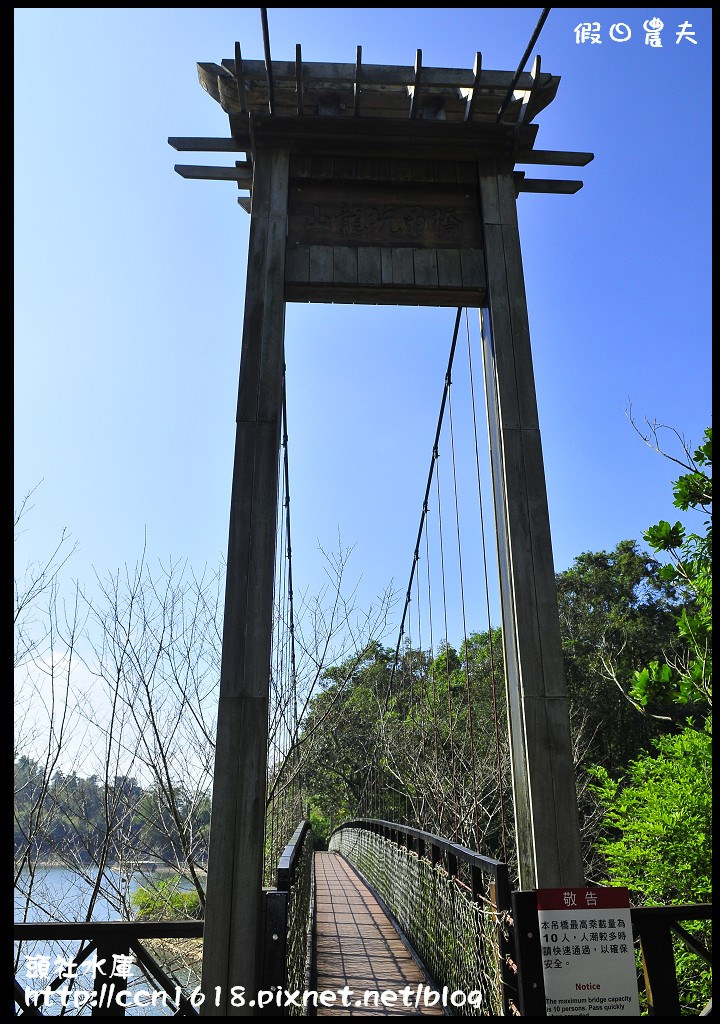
{"x":274,"y":967}
{"x":531,"y":988}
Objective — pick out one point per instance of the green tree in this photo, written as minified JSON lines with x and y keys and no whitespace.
{"x":168,"y":899}
{"x":685,"y":681}
{"x":656,"y":836}
{"x":657,"y":840}
{"x":341,"y":734}
{"x":658,"y":821}
{"x":616,"y":611}
{"x":416,"y":743}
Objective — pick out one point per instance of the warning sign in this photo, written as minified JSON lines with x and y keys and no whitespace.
{"x":587,"y":953}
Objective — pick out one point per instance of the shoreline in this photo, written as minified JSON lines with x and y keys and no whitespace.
{"x":149,"y":867}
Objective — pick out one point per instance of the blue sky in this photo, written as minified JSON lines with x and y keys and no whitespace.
{"x":129,"y":286}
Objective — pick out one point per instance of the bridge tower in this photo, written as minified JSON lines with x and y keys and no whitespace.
{"x":386,"y":185}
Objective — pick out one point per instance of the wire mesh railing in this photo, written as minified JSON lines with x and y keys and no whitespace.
{"x":288,"y":923}
{"x":451,"y":903}
{"x":132,"y":967}
{"x":296,"y":872}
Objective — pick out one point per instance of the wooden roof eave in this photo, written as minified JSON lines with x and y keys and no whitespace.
{"x":398,"y":76}
{"x":219,"y":81}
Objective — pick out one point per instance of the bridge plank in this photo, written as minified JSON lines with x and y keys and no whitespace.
{"x":357,"y":945}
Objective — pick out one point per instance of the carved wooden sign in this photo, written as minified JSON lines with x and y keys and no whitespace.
{"x":416,"y":215}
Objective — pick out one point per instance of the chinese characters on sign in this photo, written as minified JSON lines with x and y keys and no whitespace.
{"x":389,"y":222}
{"x":620,"y":32}
{"x":586,"y":944}
{"x":424,"y":214}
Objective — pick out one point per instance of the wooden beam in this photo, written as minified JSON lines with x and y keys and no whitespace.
{"x":658,"y":962}
{"x":240,"y":79}
{"x":205,"y":145}
{"x":356,"y":83}
{"x":398,"y":79}
{"x":384,"y":74}
{"x":299,"y":78}
{"x":472,"y":98}
{"x":416,"y":85}
{"x":534,"y":100}
{"x":227,"y":91}
{"x":244,"y":185}
{"x":550,"y":185}
{"x":526,"y":108}
{"x":383,"y":295}
{"x":556,"y":157}
{"x":234,"y":911}
{"x":547,"y":828}
{"x":242,"y":172}
{"x":365,"y":136}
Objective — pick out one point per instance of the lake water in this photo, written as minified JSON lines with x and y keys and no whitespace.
{"x":60,"y":894}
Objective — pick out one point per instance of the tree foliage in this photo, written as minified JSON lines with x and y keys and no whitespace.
{"x":687,"y":681}
{"x":415,"y":742}
{"x":657,"y":838}
{"x":656,"y":830}
{"x":140,"y":824}
{"x":166,"y":899}
{"x":616,"y":611}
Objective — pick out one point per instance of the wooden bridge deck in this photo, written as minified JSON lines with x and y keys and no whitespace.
{"x":357,"y":945}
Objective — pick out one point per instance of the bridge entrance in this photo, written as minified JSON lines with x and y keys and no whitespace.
{"x":384,"y":185}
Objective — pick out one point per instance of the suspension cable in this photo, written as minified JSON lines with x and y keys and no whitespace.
{"x":523,"y":61}
{"x":433,"y":459}
{"x":288,"y":551}
{"x":471,"y":728}
{"x":291,"y":602}
{"x":432,"y":649}
{"x":503,"y":831}
{"x":447,"y":643}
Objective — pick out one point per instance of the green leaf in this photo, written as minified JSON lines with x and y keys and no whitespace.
{"x":692,"y":490}
{"x":664,"y":537}
{"x":668,"y":573}
{"x":703,"y":455}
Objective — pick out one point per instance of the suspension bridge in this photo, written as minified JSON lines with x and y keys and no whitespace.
{"x":391,"y":185}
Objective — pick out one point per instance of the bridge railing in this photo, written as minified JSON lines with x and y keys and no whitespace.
{"x":656,"y":928}
{"x":111,"y":950}
{"x":288,"y":921}
{"x":451,"y":903}
{"x":125,"y":975}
